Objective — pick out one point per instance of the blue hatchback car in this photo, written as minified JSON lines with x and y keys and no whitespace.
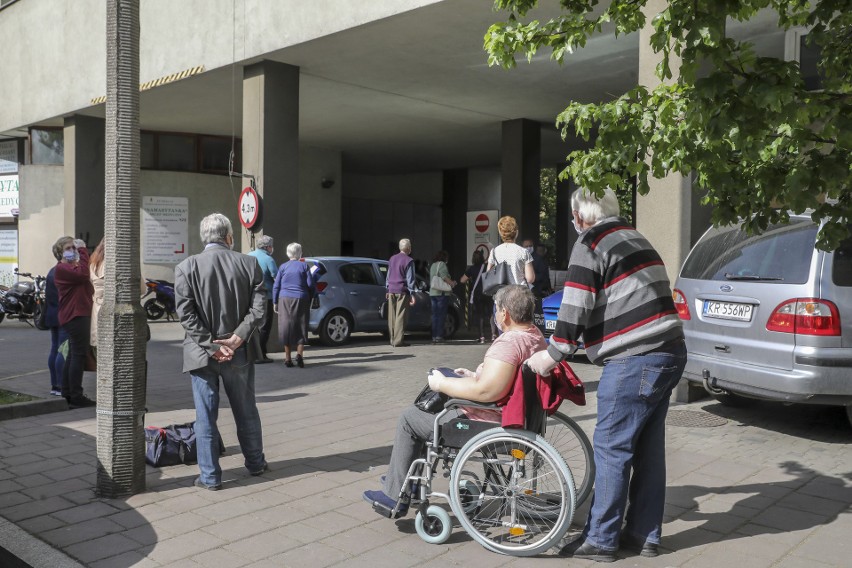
{"x":545,"y":318}
{"x":350,"y":293}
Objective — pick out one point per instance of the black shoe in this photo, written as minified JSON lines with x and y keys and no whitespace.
{"x":646,"y":549}
{"x":300,"y":362}
{"x":403,"y":344}
{"x":263,"y":361}
{"x":202,"y":485}
{"x":579,"y":549}
{"x":81,"y":402}
{"x":264,"y":468}
{"x":288,"y":363}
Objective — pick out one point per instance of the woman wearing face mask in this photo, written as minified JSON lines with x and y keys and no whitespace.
{"x":75,"y":310}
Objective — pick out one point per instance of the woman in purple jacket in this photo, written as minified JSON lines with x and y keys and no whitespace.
{"x":291,"y":297}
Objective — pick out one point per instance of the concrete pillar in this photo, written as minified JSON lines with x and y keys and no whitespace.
{"x":84,"y":178}
{"x":454,"y":220}
{"x":664,"y":216}
{"x":521,"y":170}
{"x":566,"y":235}
{"x":271,"y":148}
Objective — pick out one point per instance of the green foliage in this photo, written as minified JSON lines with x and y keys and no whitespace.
{"x":756,"y":141}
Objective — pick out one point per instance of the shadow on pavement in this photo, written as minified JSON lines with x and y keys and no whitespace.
{"x":826,"y":424}
{"x":806,"y":501}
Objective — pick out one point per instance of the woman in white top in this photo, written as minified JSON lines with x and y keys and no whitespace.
{"x":518,"y":258}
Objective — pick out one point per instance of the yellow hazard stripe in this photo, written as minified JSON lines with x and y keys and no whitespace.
{"x":161,"y":81}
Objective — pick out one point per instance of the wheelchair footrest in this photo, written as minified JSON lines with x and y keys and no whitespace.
{"x":389,"y":513}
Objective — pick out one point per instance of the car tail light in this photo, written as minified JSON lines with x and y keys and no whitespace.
{"x":805,"y":316}
{"x":321,"y":286}
{"x":680,"y":304}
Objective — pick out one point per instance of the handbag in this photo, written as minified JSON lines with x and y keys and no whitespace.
{"x":499,"y":276}
{"x":173,"y":445}
{"x":430,"y":401}
{"x":91,"y":363}
{"x":438,"y":283}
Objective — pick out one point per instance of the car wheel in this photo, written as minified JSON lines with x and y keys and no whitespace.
{"x":729,"y":399}
{"x":336,"y":328}
{"x":451,"y":324}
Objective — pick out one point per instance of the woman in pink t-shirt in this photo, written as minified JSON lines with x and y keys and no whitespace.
{"x":491,"y":382}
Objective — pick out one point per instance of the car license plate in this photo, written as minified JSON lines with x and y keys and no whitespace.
{"x":550,"y":324}
{"x":727,"y":310}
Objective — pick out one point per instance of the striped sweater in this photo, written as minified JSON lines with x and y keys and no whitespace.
{"x":617,"y":296}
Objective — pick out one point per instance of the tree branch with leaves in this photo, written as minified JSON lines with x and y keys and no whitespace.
{"x":756,"y":140}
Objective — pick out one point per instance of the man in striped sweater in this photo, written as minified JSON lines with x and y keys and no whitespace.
{"x":618,"y":298}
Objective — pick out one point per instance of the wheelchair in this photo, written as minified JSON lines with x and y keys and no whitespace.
{"x":511,"y":490}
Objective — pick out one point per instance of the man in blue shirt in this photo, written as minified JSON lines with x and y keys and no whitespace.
{"x":263,"y":254}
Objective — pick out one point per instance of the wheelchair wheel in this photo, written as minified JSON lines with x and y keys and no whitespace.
{"x":569,"y":440}
{"x":526,"y":492}
{"x":436,"y":527}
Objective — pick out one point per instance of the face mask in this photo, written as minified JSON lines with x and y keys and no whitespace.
{"x":497,"y":322}
{"x":71,"y":256}
{"x":529,"y":249}
{"x":577,"y":227}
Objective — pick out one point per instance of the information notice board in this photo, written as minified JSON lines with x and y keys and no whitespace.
{"x":165,"y":222}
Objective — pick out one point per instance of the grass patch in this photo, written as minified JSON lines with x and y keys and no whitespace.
{"x":9,"y":397}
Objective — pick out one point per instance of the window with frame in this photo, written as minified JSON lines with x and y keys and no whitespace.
{"x":358,"y":273}
{"x":189,"y":152}
{"x":47,"y":146}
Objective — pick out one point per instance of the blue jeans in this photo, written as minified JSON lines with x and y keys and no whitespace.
{"x":439,"y":314}
{"x":630,"y":447}
{"x":238,"y":379}
{"x":55,"y":360}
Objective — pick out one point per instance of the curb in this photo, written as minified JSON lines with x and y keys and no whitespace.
{"x":30,"y":550}
{"x":32,"y":408}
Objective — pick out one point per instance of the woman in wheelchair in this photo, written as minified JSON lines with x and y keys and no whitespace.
{"x":491,"y":382}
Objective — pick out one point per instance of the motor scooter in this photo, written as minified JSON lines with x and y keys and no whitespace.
{"x":24,"y":300}
{"x":163,"y":302}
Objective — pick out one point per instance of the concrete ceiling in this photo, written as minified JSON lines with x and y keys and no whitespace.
{"x":410,"y":93}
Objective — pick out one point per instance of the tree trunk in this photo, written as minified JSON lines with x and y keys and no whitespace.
{"x":122,"y":331}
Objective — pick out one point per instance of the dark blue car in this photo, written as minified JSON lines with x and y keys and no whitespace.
{"x":545,"y":318}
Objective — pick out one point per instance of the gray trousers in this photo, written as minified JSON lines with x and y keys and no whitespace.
{"x":397,"y":310}
{"x":413,"y":429}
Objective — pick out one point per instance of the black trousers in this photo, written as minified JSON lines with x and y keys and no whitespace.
{"x":78,"y":330}
{"x":267,"y":326}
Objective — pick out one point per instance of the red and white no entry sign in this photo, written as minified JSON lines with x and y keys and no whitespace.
{"x":481,"y":223}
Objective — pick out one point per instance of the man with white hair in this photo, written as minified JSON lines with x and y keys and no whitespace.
{"x":221,"y":302}
{"x":617,"y":296}
{"x":263,"y":253}
{"x":400,"y":285}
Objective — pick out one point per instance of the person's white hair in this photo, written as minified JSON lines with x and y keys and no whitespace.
{"x":404,"y":245}
{"x":215,"y":228}
{"x":264,"y":242}
{"x":294,"y":251}
{"x":593,"y":208}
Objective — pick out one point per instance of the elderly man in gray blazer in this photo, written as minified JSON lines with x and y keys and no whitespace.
{"x":221,"y":303}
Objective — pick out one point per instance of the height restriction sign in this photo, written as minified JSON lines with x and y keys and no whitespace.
{"x":250,"y":209}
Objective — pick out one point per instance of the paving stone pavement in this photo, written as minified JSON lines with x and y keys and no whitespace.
{"x":767,"y":486}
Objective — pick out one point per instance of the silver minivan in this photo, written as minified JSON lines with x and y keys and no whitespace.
{"x":768,"y":316}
